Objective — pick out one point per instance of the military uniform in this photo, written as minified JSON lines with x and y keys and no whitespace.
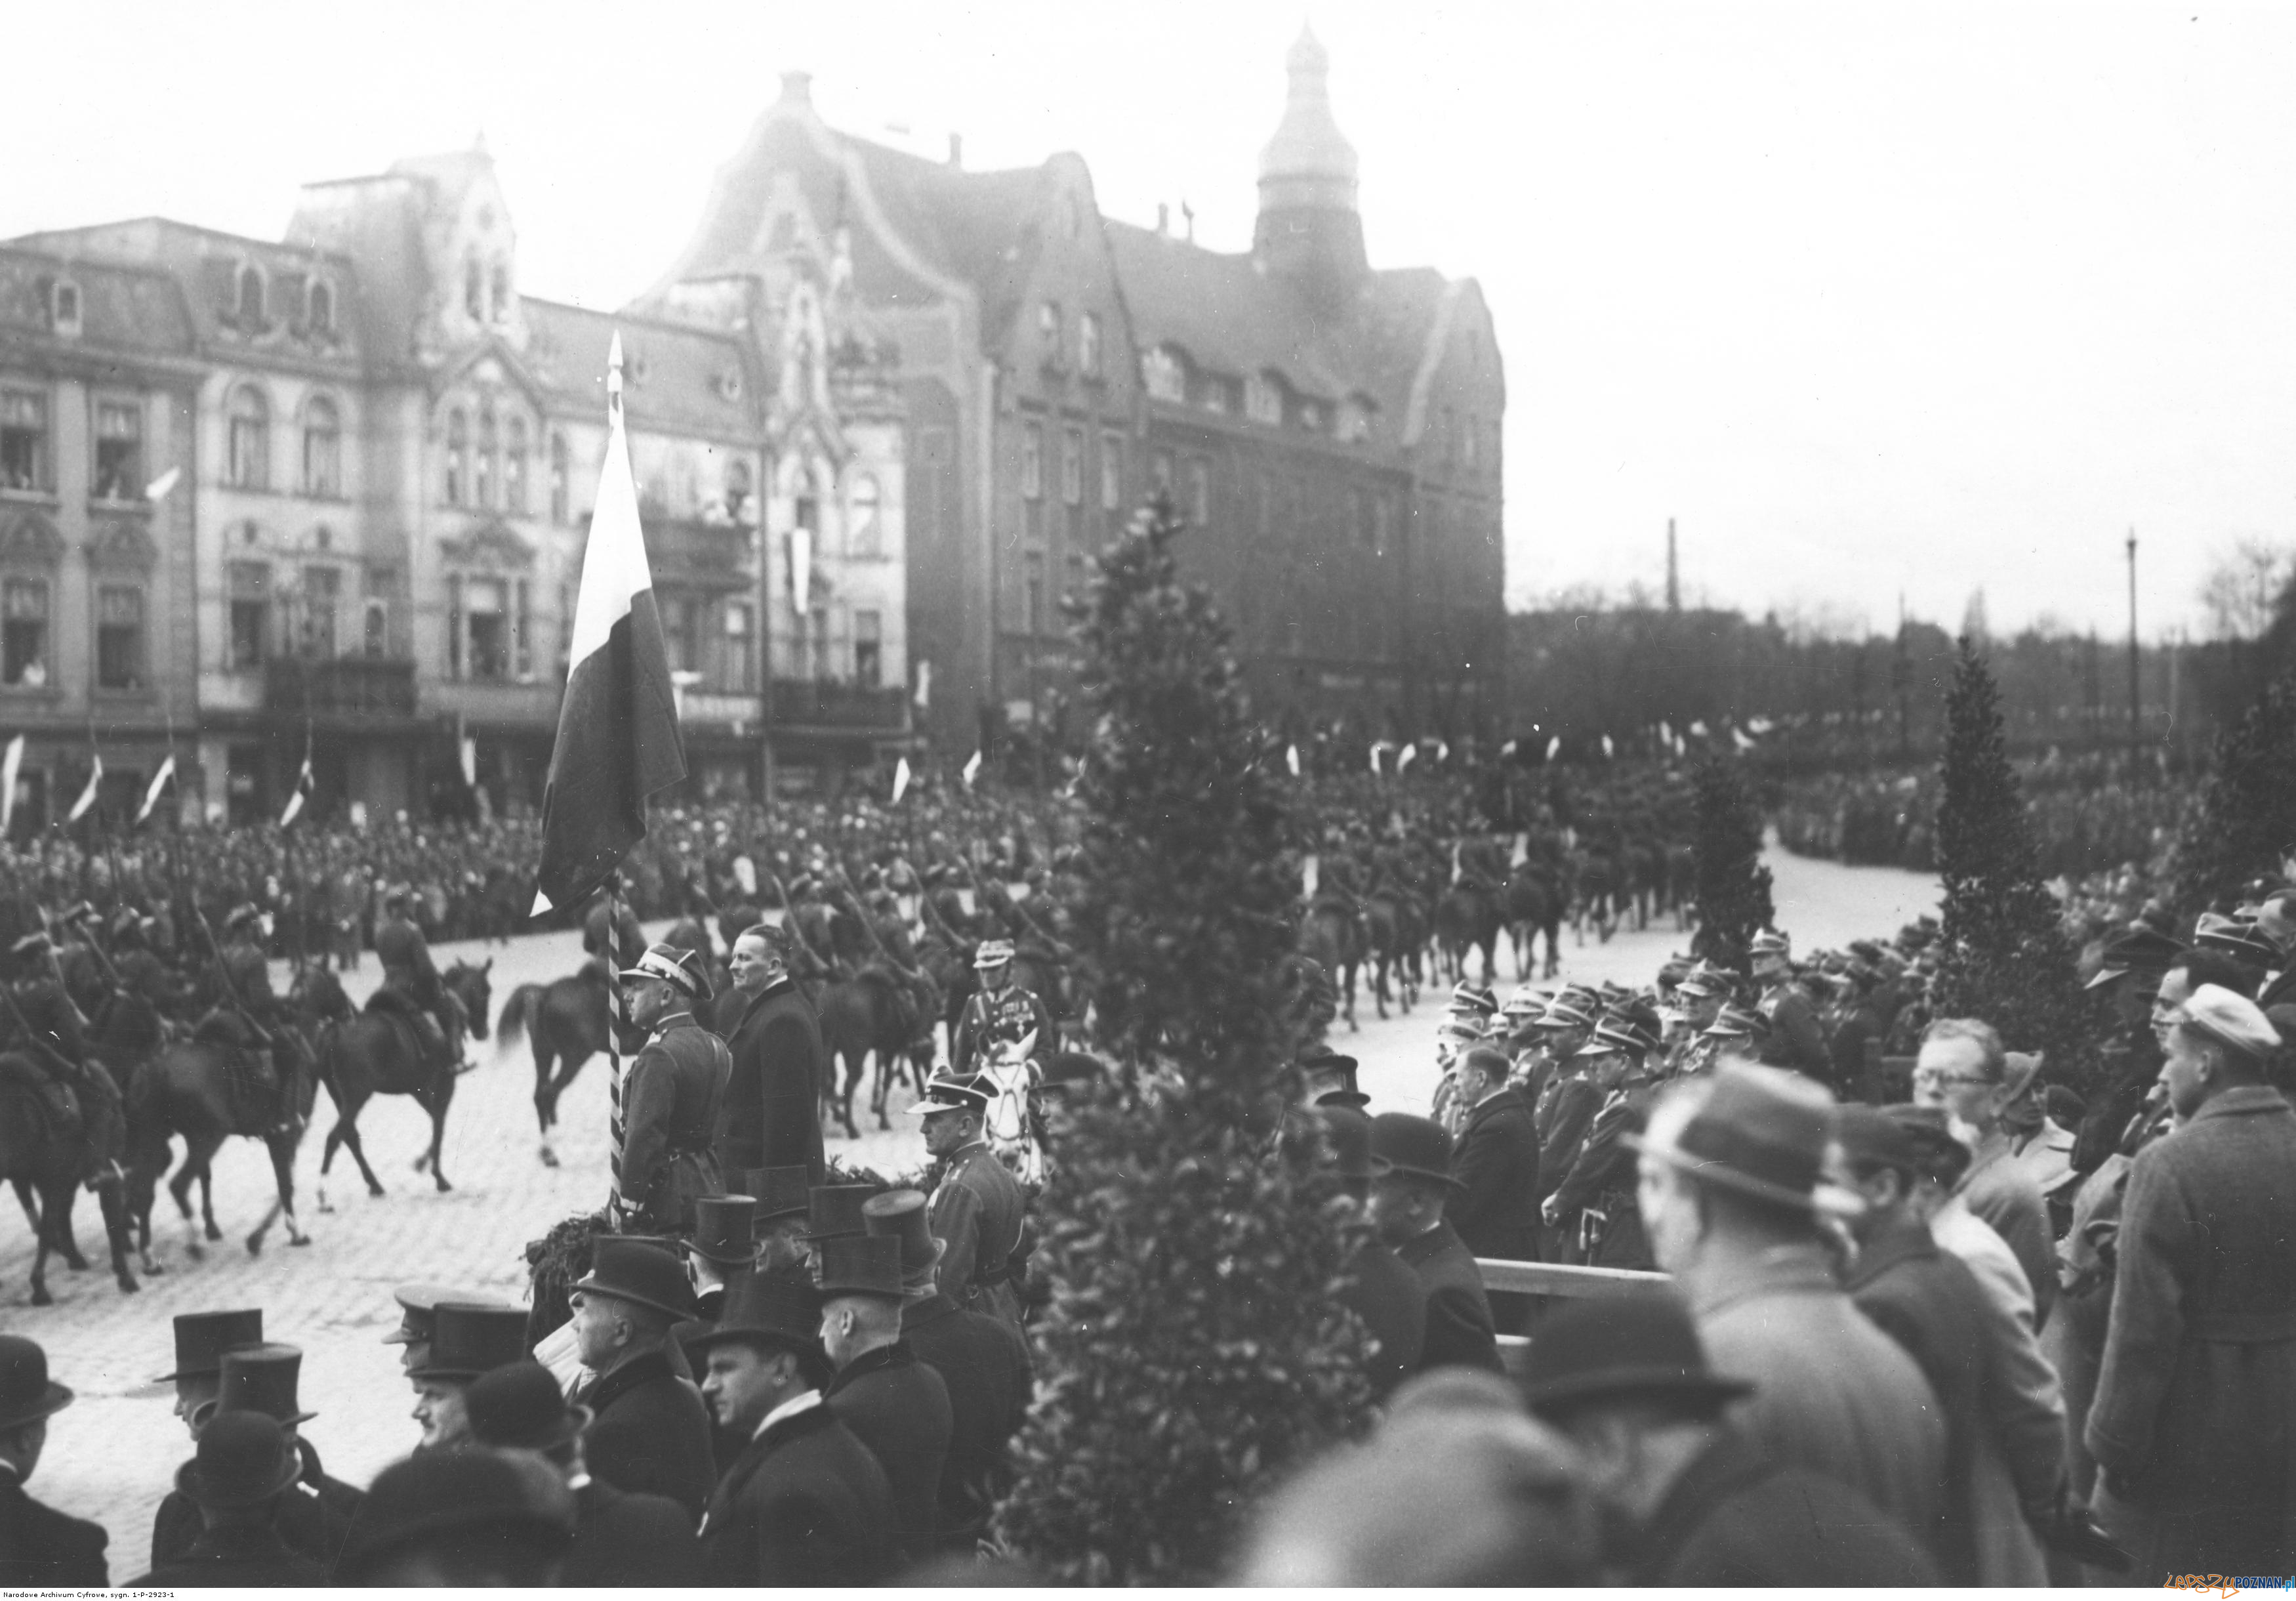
{"x":1008,"y":1015}
{"x":411,"y":987}
{"x":1795,"y":1040}
{"x":672,"y":1100}
{"x":976,"y":1212}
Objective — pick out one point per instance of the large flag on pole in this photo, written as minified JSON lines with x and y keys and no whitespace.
{"x":9,"y":764}
{"x":86,"y":796}
{"x":302,"y":793}
{"x":159,"y":783}
{"x":618,"y":725}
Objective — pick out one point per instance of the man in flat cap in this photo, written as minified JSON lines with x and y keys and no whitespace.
{"x":671,"y":1095}
{"x":2190,"y":1427}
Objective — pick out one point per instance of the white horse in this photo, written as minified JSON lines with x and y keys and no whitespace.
{"x":1011,"y":1074}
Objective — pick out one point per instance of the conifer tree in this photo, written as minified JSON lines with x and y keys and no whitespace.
{"x":1734,"y":886}
{"x":1193,"y":1348}
{"x":2245,"y":824}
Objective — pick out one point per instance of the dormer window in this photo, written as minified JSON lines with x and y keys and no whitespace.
{"x":323,"y":308}
{"x":474,"y":290}
{"x":1048,"y":333}
{"x":500,"y":304}
{"x":250,"y":298}
{"x":1263,"y":401}
{"x":1088,"y":344}
{"x":1166,"y":378}
{"x":1355,"y":420}
{"x":1215,"y":394}
{"x":63,"y":306}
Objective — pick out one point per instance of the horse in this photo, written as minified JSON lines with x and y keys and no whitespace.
{"x":1394,"y":933}
{"x":1009,"y":1123}
{"x":1332,"y":935}
{"x":882,"y":1011}
{"x":40,"y":1164}
{"x":1466,"y":919}
{"x":187,"y":1090}
{"x":1531,"y":906}
{"x":1596,"y":879}
{"x":565,"y":1022}
{"x":377,"y":1054}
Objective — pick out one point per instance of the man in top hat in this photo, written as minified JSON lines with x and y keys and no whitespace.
{"x":1593,"y":1210}
{"x":1494,"y":1161}
{"x":418,"y":1313}
{"x":468,"y":1340}
{"x":1328,"y":1078}
{"x":722,"y":1243}
{"x":1795,"y":1040}
{"x":1730,"y":1195}
{"x":315,"y":1516}
{"x":978,"y":1206}
{"x":411,"y":986}
{"x":620,"y":1540}
{"x":200,"y":1339}
{"x":1694,"y":1501}
{"x":773,"y":1036}
{"x":2190,"y":1425}
{"x":671,"y":1095}
{"x":461,"y":1519}
{"x":1411,"y":1183}
{"x":243,"y":1467}
{"x":779,"y":1219}
{"x":999,"y":1010}
{"x":1381,"y":1288}
{"x":805,"y":1503}
{"x":40,"y":1548}
{"x":983,"y":1363}
{"x":895,"y":1405}
{"x":651,"y":1433}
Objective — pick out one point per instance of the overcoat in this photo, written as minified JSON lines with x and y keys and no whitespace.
{"x":804,"y":1504}
{"x":672,"y":1100}
{"x":630,"y":1541}
{"x":899,"y":1408}
{"x":241,"y":1557}
{"x":1494,"y":1162}
{"x":773,"y":1098}
{"x":1460,"y":1331}
{"x":1383,"y":1291}
{"x":651,"y":1435}
{"x":976,"y":1212}
{"x":985,"y":1365}
{"x":41,"y":1548}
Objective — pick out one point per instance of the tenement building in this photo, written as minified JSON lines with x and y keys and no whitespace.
{"x":1331,"y":430}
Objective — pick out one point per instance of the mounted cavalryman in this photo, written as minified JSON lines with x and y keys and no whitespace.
{"x":410,"y":986}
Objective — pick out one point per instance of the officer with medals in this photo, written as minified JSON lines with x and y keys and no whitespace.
{"x":999,"y":1011}
{"x":672,"y":1095}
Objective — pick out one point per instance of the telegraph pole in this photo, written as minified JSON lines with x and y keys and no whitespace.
{"x":2136,"y":702}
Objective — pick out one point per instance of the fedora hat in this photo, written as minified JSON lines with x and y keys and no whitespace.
{"x":473,"y":1338}
{"x":1643,"y":1343}
{"x":780,"y":1308}
{"x":901,"y":1215}
{"x":642,"y":1272}
{"x":2141,"y":949}
{"x":2236,"y":939}
{"x":243,"y":1459}
{"x":26,"y":1392}
{"x":202,"y":1337}
{"x":781,"y":1192}
{"x":418,"y":1307}
{"x":1402,"y":1142}
{"x":1762,"y":1131}
{"x":724,"y":1228}
{"x":860,"y":1264}
{"x":259,"y":1378}
{"x":835,"y":1210}
{"x":683,"y":970}
{"x":443,"y":1492}
{"x":519,"y":1406}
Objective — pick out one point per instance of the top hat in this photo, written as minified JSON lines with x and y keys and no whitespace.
{"x":901,"y":1215}
{"x":992,"y":953}
{"x":836,"y":1211}
{"x":860,"y":1264}
{"x":419,"y":1308}
{"x":640,"y":1271}
{"x":2141,"y":949}
{"x":683,"y":970}
{"x":1330,"y":1062}
{"x":1349,"y":1130}
{"x":26,"y":1392}
{"x":724,"y":1228}
{"x":1640,"y":1344}
{"x":1402,"y":1142}
{"x":260,"y":1378}
{"x":1072,"y":1070}
{"x":442,"y":1492}
{"x":471,"y":1339}
{"x":1762,"y":1132}
{"x":780,"y":1308}
{"x":243,"y":1459}
{"x":202,"y":1337}
{"x":780,"y":1192}
{"x":947,"y":1092}
{"x":518,"y":1404}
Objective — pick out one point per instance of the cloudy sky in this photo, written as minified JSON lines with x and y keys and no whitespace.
{"x":1872,"y":299}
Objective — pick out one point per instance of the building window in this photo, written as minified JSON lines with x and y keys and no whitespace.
{"x":514,"y":470}
{"x":806,"y":508}
{"x":376,"y":634}
{"x":558,"y":478}
{"x":1072,"y":467}
{"x":321,"y":588}
{"x":482,"y":478}
{"x":865,"y":518}
{"x":1088,"y":344}
{"x":817,"y":631}
{"x":1032,"y":461}
{"x":1263,"y":401}
{"x":522,"y":638}
{"x":1111,"y":471}
{"x":681,"y":630}
{"x":1355,"y":421}
{"x":250,"y":298}
{"x":23,"y":439}
{"x":483,"y":636}
{"x":498,"y":306}
{"x":323,"y":450}
{"x":1166,"y":378}
{"x":458,"y":458}
{"x":737,"y":487}
{"x":1200,"y":491}
{"x":322,"y":315}
{"x":119,"y":450}
{"x":741,"y":647}
{"x":1162,"y":470}
{"x":474,"y":290}
{"x":1033,"y":591}
{"x":24,"y":633}
{"x":868,"y":650}
{"x":249,"y":440}
{"x":64,"y":305}
{"x":1215,"y":394}
{"x":1048,"y":332}
{"x":251,"y":613}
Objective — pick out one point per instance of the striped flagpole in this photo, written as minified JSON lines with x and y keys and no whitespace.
{"x":617,"y":1206}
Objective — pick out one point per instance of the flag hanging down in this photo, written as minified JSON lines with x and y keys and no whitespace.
{"x":86,"y":796}
{"x":1292,"y":759}
{"x":9,"y":764}
{"x":302,"y":793}
{"x":972,"y":769}
{"x":618,"y":739}
{"x":1410,"y":754}
{"x":1374,"y":759}
{"x":922,"y":698}
{"x":159,"y":781}
{"x":900,"y":779}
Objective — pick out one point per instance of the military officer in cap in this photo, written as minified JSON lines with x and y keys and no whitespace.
{"x":1595,"y":1206}
{"x":978,"y":1207}
{"x":418,"y":1318}
{"x":999,"y":1010}
{"x":410,"y":981}
{"x":77,"y":1091}
{"x":672,"y":1095}
{"x":40,"y":1548}
{"x":1795,"y":1040}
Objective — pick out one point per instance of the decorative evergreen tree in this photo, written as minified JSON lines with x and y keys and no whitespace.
{"x":1734,"y":886}
{"x":1193,"y":1348}
{"x":2005,"y":954}
{"x":2245,"y":824}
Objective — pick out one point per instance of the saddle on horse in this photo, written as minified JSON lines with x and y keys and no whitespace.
{"x":252,"y":1076}
{"x":45,"y":1085}
{"x":427,"y":1039}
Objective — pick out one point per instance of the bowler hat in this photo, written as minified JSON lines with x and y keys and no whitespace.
{"x":243,"y":1459}
{"x":26,"y":1392}
{"x":473,"y":1338}
{"x":1402,"y":1142}
{"x":519,"y":1405}
{"x":780,"y":1192}
{"x":1348,"y":1132}
{"x":1643,"y":1343}
{"x":202,"y":1337}
{"x":681,"y":970}
{"x":642,"y":1272}
{"x":901,"y":1215}
{"x":1331,"y":1063}
{"x":1762,"y":1131}
{"x":261,"y":1378}
{"x":862,"y":1264}
{"x":780,"y":1308}
{"x":724,"y":1228}
{"x":835,"y":1210}
{"x":447,"y":1492}
{"x":418,"y":1308}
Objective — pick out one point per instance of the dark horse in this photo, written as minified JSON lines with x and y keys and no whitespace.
{"x":878,"y":1010}
{"x":188,"y":1089}
{"x":1533,"y":906}
{"x":40,"y":1164}
{"x":1395,"y":931}
{"x":1466,"y":920}
{"x":565,"y":1022}
{"x":1333,"y":935}
{"x":376,"y":1052}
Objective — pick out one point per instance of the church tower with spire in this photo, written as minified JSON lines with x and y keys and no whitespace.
{"x":1309,"y":231}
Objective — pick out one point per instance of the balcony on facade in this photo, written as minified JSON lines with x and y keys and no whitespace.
{"x":824,"y":703}
{"x":343,"y":686}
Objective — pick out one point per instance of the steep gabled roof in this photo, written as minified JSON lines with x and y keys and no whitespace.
{"x":132,"y":308}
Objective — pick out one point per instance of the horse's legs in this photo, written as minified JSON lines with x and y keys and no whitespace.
{"x":854,"y":1063}
{"x":40,"y":1296}
{"x":545,"y":1093}
{"x":111,"y":1204}
{"x":283,"y":1173}
{"x":436,"y":1105}
{"x":881,"y":1084}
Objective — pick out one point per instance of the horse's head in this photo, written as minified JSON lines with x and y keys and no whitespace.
{"x":317,"y":992}
{"x":472,"y":987}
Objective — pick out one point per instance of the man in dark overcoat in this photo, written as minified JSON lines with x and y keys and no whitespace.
{"x":1411,"y":1180}
{"x":673,"y":1095}
{"x":1494,"y":1161}
{"x":773,"y":1099}
{"x":243,"y":1466}
{"x":40,"y":1548}
{"x":1381,"y":1289}
{"x":651,"y":1433}
{"x":895,"y":1405}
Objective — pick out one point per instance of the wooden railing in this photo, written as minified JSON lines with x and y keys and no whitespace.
{"x":1554,"y":1281}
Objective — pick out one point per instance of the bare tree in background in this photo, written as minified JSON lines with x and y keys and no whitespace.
{"x":2243,"y":592}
